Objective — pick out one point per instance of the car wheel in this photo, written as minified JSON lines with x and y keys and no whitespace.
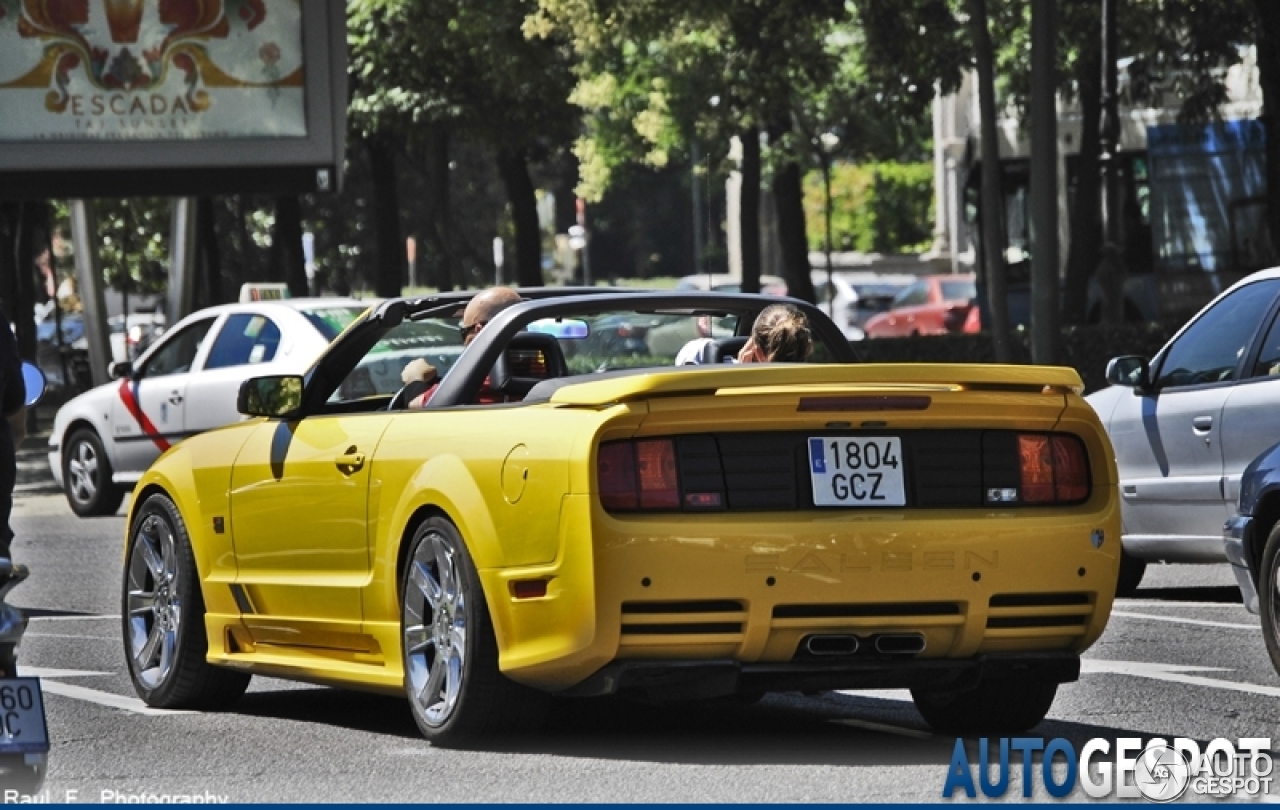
{"x":1131,"y":572}
{"x":449,"y":649}
{"x":163,"y":612}
{"x":86,"y":476}
{"x":997,"y":706}
{"x":1269,"y":596}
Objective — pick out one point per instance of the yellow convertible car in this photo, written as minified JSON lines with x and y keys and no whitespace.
{"x":572,"y":515}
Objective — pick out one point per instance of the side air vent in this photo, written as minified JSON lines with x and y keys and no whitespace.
{"x":880,"y":610}
{"x":1055,"y":612}
{"x":687,"y":618}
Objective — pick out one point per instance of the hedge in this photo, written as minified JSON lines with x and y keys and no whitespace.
{"x":1085,"y":348}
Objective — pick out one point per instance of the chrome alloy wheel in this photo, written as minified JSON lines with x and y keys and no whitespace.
{"x":82,"y":472}
{"x":154,"y":601}
{"x":435,"y":628}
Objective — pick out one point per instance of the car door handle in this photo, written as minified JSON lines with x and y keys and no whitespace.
{"x":349,"y":462}
{"x":175,"y":398}
{"x":1202,"y":424}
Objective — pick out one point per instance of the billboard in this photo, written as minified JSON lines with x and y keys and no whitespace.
{"x":120,"y":97}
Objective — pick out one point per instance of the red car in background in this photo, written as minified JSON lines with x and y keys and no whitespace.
{"x":934,"y":305}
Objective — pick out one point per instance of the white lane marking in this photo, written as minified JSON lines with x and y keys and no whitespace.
{"x":884,"y":727}
{"x":1178,"y":620}
{"x":42,"y":672}
{"x":1173,"y":673}
{"x":1166,"y":603}
{"x":115,"y":616}
{"x":104,"y":698}
{"x":879,"y":694}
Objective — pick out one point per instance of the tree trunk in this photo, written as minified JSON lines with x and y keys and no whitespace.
{"x":524,"y":212}
{"x":390,"y":264}
{"x":25,"y":252}
{"x":1268,"y":50}
{"x":248,"y":251}
{"x":789,"y":197}
{"x":440,"y":230}
{"x":209,"y":257}
{"x":1084,"y":253}
{"x":749,"y":210}
{"x":10,"y":225}
{"x":288,"y":235}
{"x":993,"y":237}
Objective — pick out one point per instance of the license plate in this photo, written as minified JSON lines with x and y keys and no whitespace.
{"x":22,"y":728}
{"x":865,"y":471}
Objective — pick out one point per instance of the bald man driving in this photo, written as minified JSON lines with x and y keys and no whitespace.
{"x":480,"y":310}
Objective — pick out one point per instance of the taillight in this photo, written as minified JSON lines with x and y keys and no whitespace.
{"x":1053,"y":468}
{"x":656,"y":460}
{"x":638,"y":475}
{"x":616,"y":471}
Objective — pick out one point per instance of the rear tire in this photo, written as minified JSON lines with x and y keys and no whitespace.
{"x":996,"y":706}
{"x":163,"y":613}
{"x":1131,"y":571}
{"x":86,"y":476}
{"x":450,"y":653}
{"x":1269,"y":596}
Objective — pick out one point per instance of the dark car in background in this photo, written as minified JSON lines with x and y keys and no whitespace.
{"x":1252,"y":545}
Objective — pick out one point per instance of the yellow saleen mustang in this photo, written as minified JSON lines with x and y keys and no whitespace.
{"x":620,"y":525}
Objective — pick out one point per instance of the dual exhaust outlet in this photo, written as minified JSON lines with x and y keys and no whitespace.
{"x":882,"y":643}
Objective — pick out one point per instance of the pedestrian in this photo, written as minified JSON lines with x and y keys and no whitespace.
{"x":13,"y":395}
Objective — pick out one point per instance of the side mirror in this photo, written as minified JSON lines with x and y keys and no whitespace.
{"x":121,"y":370}
{"x":1129,"y":370}
{"x":33,"y":379}
{"x":278,"y":396}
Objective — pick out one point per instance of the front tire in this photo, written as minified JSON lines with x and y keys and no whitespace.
{"x":450,"y":653}
{"x":163,"y":613}
{"x":86,"y":476}
{"x":995,"y":706}
{"x":1269,"y":596}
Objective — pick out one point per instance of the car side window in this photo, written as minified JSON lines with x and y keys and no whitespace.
{"x":913,"y":296}
{"x":178,"y":352}
{"x":245,"y":339}
{"x":1268,"y":362}
{"x":1211,"y":347}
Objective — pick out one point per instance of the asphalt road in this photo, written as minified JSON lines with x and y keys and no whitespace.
{"x":1183,"y":659}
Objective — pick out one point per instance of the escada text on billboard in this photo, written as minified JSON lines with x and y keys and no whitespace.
{"x":120,"y":97}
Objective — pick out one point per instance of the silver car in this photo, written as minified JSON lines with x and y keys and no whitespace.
{"x":186,"y":382}
{"x":1186,"y":424}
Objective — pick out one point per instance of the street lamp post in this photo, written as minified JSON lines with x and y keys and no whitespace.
{"x":828,"y":141}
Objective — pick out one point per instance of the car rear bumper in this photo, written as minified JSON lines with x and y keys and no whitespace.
{"x":754,"y":590}
{"x":55,"y":464}
{"x":700,"y":680}
{"x":1174,"y":548}
{"x":1235,"y":535}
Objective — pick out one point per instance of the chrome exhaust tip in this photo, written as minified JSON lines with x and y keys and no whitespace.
{"x":831,"y":645}
{"x":900,"y":643}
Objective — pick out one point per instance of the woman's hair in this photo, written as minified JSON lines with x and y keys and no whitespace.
{"x":781,"y":332}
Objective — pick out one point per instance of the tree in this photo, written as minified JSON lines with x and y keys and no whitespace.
{"x":650,"y":71}
{"x":464,"y":69}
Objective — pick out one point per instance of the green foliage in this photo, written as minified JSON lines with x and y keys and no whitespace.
{"x":875,"y":208}
{"x":133,"y":243}
{"x":1085,"y":348}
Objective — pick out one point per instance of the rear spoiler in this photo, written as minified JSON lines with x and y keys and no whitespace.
{"x":809,"y":378}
